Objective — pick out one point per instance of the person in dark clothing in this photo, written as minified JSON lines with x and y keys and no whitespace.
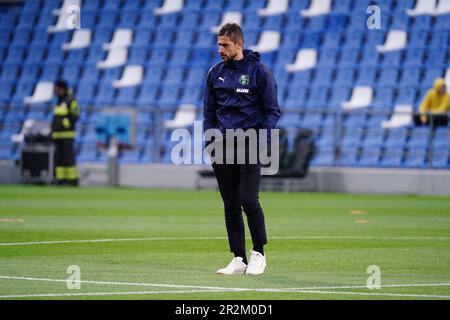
{"x":65,"y":116}
{"x":240,"y":93}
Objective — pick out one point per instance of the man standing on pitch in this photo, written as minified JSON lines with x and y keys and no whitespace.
{"x":240,"y":93}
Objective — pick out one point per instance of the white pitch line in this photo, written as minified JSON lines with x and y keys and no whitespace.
{"x":223,"y":238}
{"x":43,"y":295}
{"x":121,"y":283}
{"x":228,"y":289}
{"x":411,"y":295}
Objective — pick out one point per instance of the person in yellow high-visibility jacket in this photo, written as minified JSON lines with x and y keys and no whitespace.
{"x":436,"y":102}
{"x":65,"y":116}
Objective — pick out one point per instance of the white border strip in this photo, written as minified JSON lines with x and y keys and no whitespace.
{"x":224,"y":238}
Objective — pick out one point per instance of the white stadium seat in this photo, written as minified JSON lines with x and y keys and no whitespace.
{"x":274,"y":7}
{"x":122,"y":38}
{"x":116,"y":58}
{"x":422,"y":7}
{"x":401,"y":117}
{"x":443,"y":7}
{"x":80,"y":39}
{"x":132,"y":76}
{"x":317,"y":8}
{"x":306,"y":59}
{"x":395,"y":40}
{"x":169,"y":6}
{"x":185,"y":116}
{"x":43,"y":92}
{"x":361,"y":98}
{"x":228,"y":17}
{"x":268,"y":41}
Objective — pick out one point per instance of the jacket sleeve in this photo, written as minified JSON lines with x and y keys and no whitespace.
{"x":267,"y":90}
{"x":209,"y":106}
{"x":425,"y":104}
{"x":74,"y":111}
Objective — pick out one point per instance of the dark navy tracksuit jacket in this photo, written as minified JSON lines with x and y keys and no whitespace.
{"x":240,"y":95}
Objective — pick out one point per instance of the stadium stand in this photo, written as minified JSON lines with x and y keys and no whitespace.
{"x":153,"y":55}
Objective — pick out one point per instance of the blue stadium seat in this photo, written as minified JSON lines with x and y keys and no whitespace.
{"x":295,"y":99}
{"x":332,"y":40}
{"x":348,"y":156}
{"x":191,"y":95}
{"x":414,"y":57}
{"x":416,"y":158}
{"x":396,"y":138}
{"x":324,"y":76}
{"x":154,"y":74}
{"x":163,"y":38}
{"x":169,"y":96}
{"x":147,"y":95}
{"x":168,"y":21}
{"x":317,"y":23}
{"x":127,"y":19}
{"x":391,"y":59}
{"x":418,"y":39}
{"x":339,"y":95}
{"x":344,"y":76}
{"x":323,"y":157}
{"x":311,"y":39}
{"x":158,"y":57}
{"x":388,"y":77}
{"x":384,"y":98}
{"x":392,"y":158}
{"x":236,"y":5}
{"x":189,"y":21}
{"x":138,"y":55}
{"x":327,"y":57}
{"x":436,"y":58}
{"x":370,"y":157}
{"x":441,"y":23}
{"x":440,"y":160}
{"x":406,"y":95}
{"x":410,"y":76}
{"x":419,"y":138}
{"x":421,"y":22}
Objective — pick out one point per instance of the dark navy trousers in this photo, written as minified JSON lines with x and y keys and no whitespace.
{"x":239,"y":188}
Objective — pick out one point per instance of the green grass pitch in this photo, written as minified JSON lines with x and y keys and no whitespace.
{"x":167,"y":244}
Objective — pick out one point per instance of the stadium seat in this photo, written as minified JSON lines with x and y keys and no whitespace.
{"x":274,"y":7}
{"x":268,"y":41}
{"x":396,"y":40}
{"x":401,"y":117}
{"x":317,"y":8}
{"x":132,"y":76}
{"x":169,"y":6}
{"x":305,"y":59}
{"x":80,"y":39}
{"x":423,"y":7}
{"x":361,"y":97}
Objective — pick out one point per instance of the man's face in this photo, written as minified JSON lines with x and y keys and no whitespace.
{"x":228,"y":50}
{"x":442,"y":90}
{"x":59,"y":91}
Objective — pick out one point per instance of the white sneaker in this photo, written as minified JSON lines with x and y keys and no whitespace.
{"x":236,"y":266}
{"x":257,"y":263}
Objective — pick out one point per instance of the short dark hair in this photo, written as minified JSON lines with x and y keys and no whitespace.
{"x":233,"y":31}
{"x":62,"y":84}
